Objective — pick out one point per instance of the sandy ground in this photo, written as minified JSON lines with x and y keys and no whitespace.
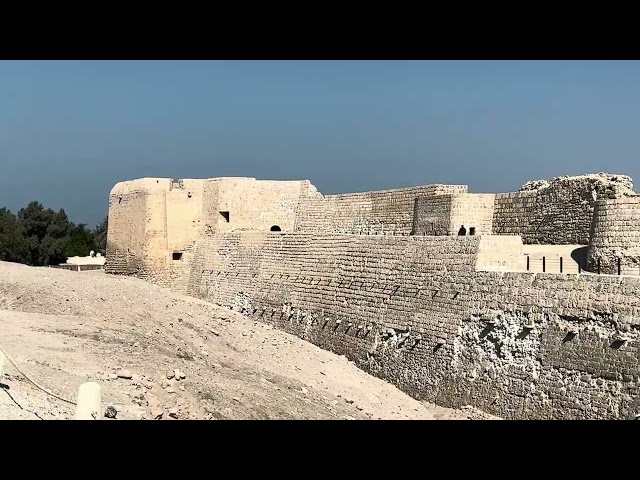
{"x":64,"y":328}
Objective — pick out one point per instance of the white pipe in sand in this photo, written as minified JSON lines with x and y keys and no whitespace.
{"x":89,"y":402}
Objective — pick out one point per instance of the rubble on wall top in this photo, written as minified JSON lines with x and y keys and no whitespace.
{"x":604,"y":185}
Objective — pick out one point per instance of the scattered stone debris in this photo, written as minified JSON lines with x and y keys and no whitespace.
{"x":157,"y":413}
{"x":173,"y":412}
{"x":125,"y":374}
{"x":111,"y":412}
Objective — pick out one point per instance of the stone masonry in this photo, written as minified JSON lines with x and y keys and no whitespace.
{"x":387,"y":279}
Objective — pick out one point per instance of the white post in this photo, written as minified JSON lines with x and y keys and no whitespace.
{"x":89,"y":402}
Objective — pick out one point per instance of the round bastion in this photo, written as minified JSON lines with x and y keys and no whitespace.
{"x":615,"y":236}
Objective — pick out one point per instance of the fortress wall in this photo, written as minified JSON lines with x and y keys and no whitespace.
{"x":445,"y":214}
{"x":432,"y":216}
{"x":153,"y":219}
{"x":131,"y":206}
{"x":473,"y":211}
{"x":551,"y":216}
{"x":258,"y":204}
{"x":558,"y":211}
{"x":615,"y":235}
{"x":156,"y":253}
{"x":414,"y":311}
{"x":183,"y":213}
{"x":500,"y":253}
{"x":388,"y":212}
{"x":211,"y":217}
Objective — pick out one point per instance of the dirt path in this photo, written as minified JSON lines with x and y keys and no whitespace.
{"x":63,"y":328}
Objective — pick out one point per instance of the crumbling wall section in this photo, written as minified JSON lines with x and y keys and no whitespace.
{"x":415,"y":311}
{"x":557,"y":211}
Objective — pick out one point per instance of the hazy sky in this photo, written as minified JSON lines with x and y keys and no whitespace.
{"x":70,"y":130}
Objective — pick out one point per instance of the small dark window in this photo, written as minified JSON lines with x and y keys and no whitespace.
{"x":225,"y":215}
{"x":177,"y":255}
{"x":462,"y":232}
{"x":472,"y":230}
{"x":276,"y":228}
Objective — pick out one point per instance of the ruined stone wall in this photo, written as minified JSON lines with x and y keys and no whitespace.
{"x":615,"y":235}
{"x":415,"y":311}
{"x":387,"y":212}
{"x":558,"y":211}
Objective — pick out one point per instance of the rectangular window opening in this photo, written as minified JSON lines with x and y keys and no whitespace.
{"x":472,"y":231}
{"x":225,"y":215}
{"x":177,"y":255}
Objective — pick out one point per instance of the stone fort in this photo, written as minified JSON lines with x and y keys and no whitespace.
{"x":431,"y":288}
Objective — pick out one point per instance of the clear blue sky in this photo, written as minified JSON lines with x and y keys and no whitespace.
{"x":69,"y":130}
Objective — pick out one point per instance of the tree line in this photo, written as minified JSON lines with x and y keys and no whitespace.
{"x":39,"y":237}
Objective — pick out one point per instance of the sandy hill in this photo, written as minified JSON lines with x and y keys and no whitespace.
{"x":63,"y":328}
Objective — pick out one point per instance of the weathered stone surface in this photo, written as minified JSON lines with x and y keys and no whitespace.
{"x":453,"y":320}
{"x":111,"y":412}
{"x":557,"y":211}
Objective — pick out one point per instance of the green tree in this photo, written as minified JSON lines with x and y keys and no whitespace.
{"x":48,"y":234}
{"x":13,"y":242}
{"x":81,"y":242}
{"x":35,"y":220}
{"x":100,"y":235}
{"x":42,"y":236}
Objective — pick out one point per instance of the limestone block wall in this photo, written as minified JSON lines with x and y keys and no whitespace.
{"x":615,"y":235}
{"x":149,"y":220}
{"x":550,"y":216}
{"x":518,"y":213}
{"x":184,"y":219}
{"x":432,"y":215}
{"x":557,"y":211}
{"x":417,"y":311}
{"x":137,"y":226}
{"x":154,"y":222}
{"x":387,"y":212}
{"x":259,"y":204}
{"x":473,"y":211}
{"x":446,"y":214}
